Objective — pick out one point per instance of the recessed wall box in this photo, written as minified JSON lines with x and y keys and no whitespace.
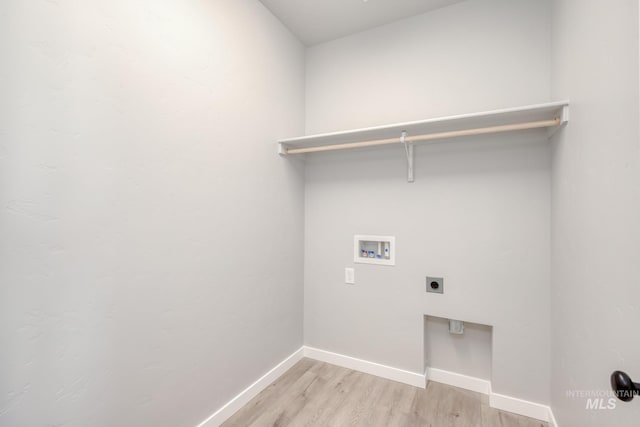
{"x":371,"y":249}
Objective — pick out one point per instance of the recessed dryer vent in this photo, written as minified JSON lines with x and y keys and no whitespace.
{"x":446,"y":352}
{"x":370,"y":249}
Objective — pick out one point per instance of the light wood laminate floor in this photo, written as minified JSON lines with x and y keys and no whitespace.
{"x":314,"y":393}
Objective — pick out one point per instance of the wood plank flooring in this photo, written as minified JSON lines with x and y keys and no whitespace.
{"x":314,"y":393}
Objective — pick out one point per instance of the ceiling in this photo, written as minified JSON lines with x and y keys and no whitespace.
{"x":317,"y":21}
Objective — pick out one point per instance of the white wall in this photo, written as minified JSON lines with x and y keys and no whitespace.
{"x":478,"y":213}
{"x":474,"y":56}
{"x":595,"y":208}
{"x":150,"y":239}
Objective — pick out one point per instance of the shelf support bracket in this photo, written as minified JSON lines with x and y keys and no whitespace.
{"x":408,"y":149}
{"x":564,"y":119}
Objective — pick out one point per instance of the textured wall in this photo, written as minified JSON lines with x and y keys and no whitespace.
{"x":478,"y":213}
{"x":150,"y":237}
{"x":595,"y":209}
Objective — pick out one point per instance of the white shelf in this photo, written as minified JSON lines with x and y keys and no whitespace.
{"x":551,"y":115}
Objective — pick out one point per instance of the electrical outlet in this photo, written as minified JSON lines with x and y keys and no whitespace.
{"x":349,"y":276}
{"x":435,"y":285}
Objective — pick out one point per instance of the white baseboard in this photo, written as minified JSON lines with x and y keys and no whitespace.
{"x":497,"y":401}
{"x":458,"y":380}
{"x":519,"y":406}
{"x":383,"y":371}
{"x":224,"y":413}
